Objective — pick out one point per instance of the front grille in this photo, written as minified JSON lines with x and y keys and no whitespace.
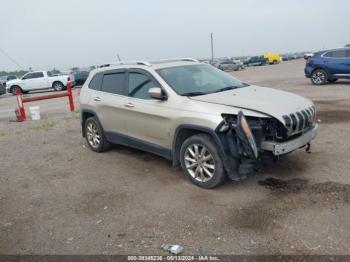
{"x":301,"y":120}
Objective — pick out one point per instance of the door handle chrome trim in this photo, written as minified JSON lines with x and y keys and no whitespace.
{"x":97,"y":99}
{"x":129,"y":105}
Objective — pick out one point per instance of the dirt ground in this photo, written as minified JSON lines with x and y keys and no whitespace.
{"x":59,"y":197}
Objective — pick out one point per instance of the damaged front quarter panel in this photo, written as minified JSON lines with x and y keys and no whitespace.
{"x":241,"y":138}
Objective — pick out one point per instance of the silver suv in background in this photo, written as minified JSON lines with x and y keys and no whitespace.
{"x":231,"y":65}
{"x":193,"y":114}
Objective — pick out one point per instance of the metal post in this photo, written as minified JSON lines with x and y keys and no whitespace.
{"x":70,"y":95}
{"x":212,"y":47}
{"x":20,"y":112}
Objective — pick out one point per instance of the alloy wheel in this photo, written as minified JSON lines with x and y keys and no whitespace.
{"x":199,"y":162}
{"x":318,"y":77}
{"x":93,"y":135}
{"x":58,"y":86}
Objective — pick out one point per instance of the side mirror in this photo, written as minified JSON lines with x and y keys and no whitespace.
{"x":156,"y":93}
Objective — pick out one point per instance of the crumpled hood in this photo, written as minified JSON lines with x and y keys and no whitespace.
{"x":273,"y":102}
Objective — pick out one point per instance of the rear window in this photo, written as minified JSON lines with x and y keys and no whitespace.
{"x":95,"y":82}
{"x":114,"y":83}
{"x":337,"y":54}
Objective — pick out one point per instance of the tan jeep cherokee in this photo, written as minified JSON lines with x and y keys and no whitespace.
{"x":195,"y":115}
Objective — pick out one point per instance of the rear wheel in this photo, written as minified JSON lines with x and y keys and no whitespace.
{"x":58,"y":86}
{"x":94,"y":135}
{"x":201,"y":162}
{"x":319,"y":77}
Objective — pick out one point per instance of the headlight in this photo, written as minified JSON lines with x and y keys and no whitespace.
{"x":243,"y":124}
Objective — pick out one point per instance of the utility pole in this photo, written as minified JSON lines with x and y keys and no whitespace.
{"x":212,"y":47}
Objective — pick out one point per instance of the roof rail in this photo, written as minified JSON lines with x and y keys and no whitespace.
{"x":133,"y":63}
{"x":126,"y":63}
{"x":173,"y":60}
{"x":149,"y":63}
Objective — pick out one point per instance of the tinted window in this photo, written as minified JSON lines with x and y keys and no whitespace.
{"x":348,"y":53}
{"x":338,"y":53}
{"x":95,"y":83}
{"x":38,"y":75}
{"x":29,"y":76}
{"x":114,"y":83}
{"x":139,"y":84}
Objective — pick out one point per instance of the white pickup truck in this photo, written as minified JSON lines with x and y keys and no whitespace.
{"x":36,"y":81}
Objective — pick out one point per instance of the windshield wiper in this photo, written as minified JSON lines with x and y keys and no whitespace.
{"x":225,"y":89}
{"x":194,"y":94}
{"x":230,"y":88}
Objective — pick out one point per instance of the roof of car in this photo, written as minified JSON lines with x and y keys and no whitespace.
{"x":333,"y":49}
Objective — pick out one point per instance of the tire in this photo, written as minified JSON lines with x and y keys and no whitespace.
{"x":94,"y":135}
{"x":332,"y":80}
{"x":58,"y":86}
{"x":319,"y":77}
{"x":207,"y":173}
{"x":14,"y":88}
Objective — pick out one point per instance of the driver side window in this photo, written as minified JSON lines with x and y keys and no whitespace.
{"x":28,"y":76}
{"x":139,"y":84}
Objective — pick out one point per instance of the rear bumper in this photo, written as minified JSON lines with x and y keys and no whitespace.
{"x":308,"y":70}
{"x":289,"y":146}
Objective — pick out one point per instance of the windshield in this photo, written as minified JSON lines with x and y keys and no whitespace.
{"x":198,"y":79}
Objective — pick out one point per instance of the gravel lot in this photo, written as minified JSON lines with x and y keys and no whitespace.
{"x":59,"y":197}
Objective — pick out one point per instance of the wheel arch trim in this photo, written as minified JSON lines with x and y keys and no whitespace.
{"x":176,"y":146}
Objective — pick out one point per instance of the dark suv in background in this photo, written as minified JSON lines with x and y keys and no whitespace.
{"x":256,"y":61}
{"x":328,"y":66}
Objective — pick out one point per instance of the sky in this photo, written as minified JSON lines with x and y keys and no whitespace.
{"x":46,"y":34}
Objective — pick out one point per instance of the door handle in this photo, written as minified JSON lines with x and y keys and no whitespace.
{"x":97,"y":99}
{"x":129,"y":105}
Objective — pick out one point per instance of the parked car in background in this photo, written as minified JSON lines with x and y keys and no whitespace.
{"x":215,"y":63}
{"x":2,"y":89}
{"x":256,"y":61}
{"x":36,"y":81}
{"x":308,"y":55}
{"x":328,"y":66}
{"x":273,"y":58}
{"x":79,"y":77}
{"x":230,"y":65}
{"x":196,"y":116}
{"x":5,"y":79}
{"x":286,"y":57}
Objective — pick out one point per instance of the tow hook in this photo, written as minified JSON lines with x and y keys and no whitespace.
{"x":308,"y":148}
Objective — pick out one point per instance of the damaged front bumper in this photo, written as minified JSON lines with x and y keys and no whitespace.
{"x":278,"y":149}
{"x":244,"y":144}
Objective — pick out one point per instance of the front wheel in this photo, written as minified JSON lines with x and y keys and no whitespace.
{"x":319,"y":77}
{"x":14,"y":90}
{"x":201,"y":162}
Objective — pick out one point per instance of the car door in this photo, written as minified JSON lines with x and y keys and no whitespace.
{"x":28,"y":81}
{"x":347,"y":62}
{"x":336,"y":62}
{"x":41,"y":81}
{"x":110,"y":102}
{"x":148,"y":119}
